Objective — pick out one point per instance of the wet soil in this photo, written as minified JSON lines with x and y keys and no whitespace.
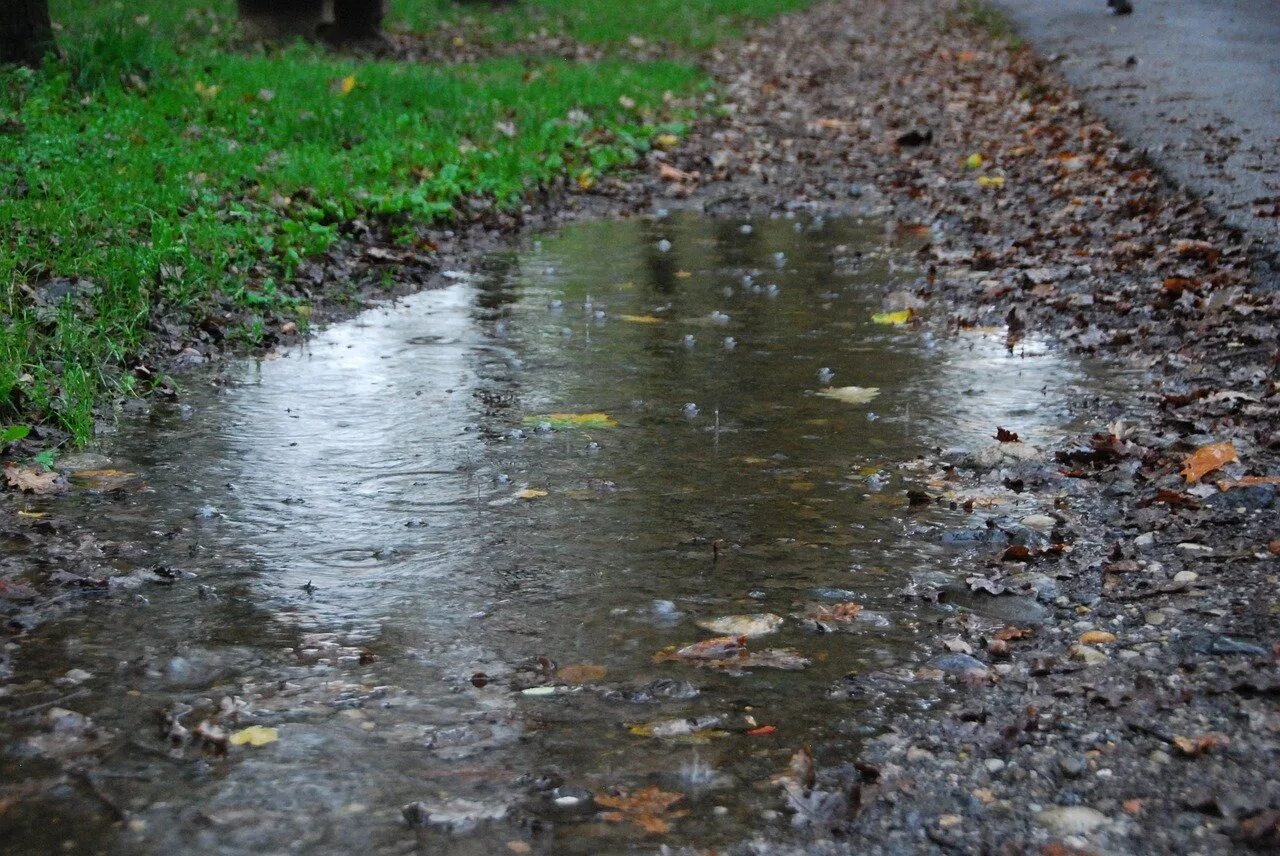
{"x":1162,"y":739}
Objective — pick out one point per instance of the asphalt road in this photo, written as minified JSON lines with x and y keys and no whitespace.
{"x":1194,"y":82}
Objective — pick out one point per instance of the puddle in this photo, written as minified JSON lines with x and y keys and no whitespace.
{"x":369,"y":581}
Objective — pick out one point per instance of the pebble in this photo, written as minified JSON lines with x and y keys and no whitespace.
{"x":1072,"y":819}
{"x":1145,"y":541}
{"x":1072,"y":766}
{"x":664,"y":245}
{"x":1192,"y":550}
{"x":1185,"y":577}
{"x":1088,"y":655}
{"x":1039,"y":522}
{"x":993,"y":765}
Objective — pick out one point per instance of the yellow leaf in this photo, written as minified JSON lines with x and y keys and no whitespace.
{"x":683,"y":274}
{"x":208,"y":93}
{"x":850,"y":394}
{"x":586,"y":180}
{"x":991,"y":181}
{"x":254,"y":735}
{"x":573,"y":420}
{"x":641,"y":319}
{"x":974,"y":161}
{"x":1097,"y":637}
{"x":1208,"y":458}
{"x":531,"y":493}
{"x":902,"y":316}
{"x":347,"y":84}
{"x":665,"y":141}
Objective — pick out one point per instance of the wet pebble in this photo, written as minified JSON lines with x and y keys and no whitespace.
{"x":958,"y":663}
{"x":1072,"y":820}
{"x":664,"y":245}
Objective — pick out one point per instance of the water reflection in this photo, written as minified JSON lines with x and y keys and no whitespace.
{"x":353,"y":513}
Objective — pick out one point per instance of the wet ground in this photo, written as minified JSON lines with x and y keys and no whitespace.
{"x":453,"y":551}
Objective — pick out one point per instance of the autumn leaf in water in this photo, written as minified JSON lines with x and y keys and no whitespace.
{"x":573,"y":420}
{"x":892,"y":319}
{"x":759,"y":624}
{"x":583,"y":673}
{"x":641,"y":319}
{"x":849,"y":394}
{"x":33,"y":480}
{"x":1208,"y":458}
{"x":530,"y":493}
{"x":648,"y":808}
{"x":254,"y":735}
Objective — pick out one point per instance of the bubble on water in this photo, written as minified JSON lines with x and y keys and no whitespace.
{"x":544,"y":427}
{"x":662,"y":214}
{"x":516,"y":434}
{"x":206,"y":512}
{"x":566,"y":331}
{"x":746,"y":229}
{"x":730,"y":343}
{"x":555,"y":305}
{"x":500,"y":329}
{"x":690,"y":409}
{"x":696,"y":776}
{"x":872,"y":417}
{"x":825,"y":374}
{"x":537,"y":246}
{"x":664,"y":245}
{"x":772,"y":290}
{"x":727,"y":291}
{"x":779,"y":260}
{"x":748,"y":279}
{"x":502,"y":478}
{"x":665,"y":609}
{"x":599,"y":316}
{"x":593,"y":446}
{"x":718,"y":317}
{"x":587,"y":305}
{"x":688,"y":341}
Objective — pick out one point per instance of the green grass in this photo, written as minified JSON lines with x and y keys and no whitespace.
{"x":681,"y":23}
{"x":156,"y":172}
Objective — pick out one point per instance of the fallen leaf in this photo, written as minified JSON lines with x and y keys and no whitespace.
{"x":667,"y":172}
{"x":1006,"y":436}
{"x":763,"y":731}
{"x":530,"y":493}
{"x":583,"y":673}
{"x":902,"y":316}
{"x":665,"y":141}
{"x":1247,"y":481}
{"x":573,"y":420}
{"x":346,"y":85}
{"x":641,"y":319}
{"x":759,"y":624}
{"x":850,"y":394}
{"x":648,"y":808}
{"x":843,"y":612}
{"x":974,"y":161}
{"x":991,"y":181}
{"x":254,"y":735}
{"x":1097,"y":637}
{"x":718,"y":648}
{"x":102,"y":480}
{"x":1208,"y":458}
{"x":33,"y":480}
{"x":1197,"y":746}
{"x":208,"y":93}
{"x":519,"y":847}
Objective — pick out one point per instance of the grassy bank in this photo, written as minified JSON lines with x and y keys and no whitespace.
{"x":162,"y":175}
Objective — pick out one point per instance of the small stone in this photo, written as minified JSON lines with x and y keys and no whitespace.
{"x":1088,"y":655}
{"x":1155,"y":618}
{"x":993,"y":765}
{"x":1185,"y":577}
{"x":1072,"y":819}
{"x":1145,"y":541}
{"x":915,"y":753}
{"x":1194,"y":551}
{"x":1039,"y":522}
{"x":1072,"y":766}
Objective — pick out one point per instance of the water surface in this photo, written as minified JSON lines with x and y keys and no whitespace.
{"x":351,"y":516}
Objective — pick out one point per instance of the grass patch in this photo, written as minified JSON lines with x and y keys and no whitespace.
{"x":155,"y":175}
{"x":679,"y":23}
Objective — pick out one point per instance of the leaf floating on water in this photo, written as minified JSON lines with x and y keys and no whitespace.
{"x":850,"y":394}
{"x":1208,"y":458}
{"x":648,"y":808}
{"x":759,"y":624}
{"x":573,"y":420}
{"x":530,"y":493}
{"x":254,"y":735}
{"x":892,"y":319}
{"x":583,"y":673}
{"x":37,"y":481}
{"x":641,"y":319}
{"x":102,"y":480}
{"x":703,"y":727}
{"x":719,"y":648}
{"x":845,"y":612}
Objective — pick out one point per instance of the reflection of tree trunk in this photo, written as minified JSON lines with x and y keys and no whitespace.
{"x":282,"y":19}
{"x":26,"y":33}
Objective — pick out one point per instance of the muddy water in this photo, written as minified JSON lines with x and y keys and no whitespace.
{"x":352,"y":546}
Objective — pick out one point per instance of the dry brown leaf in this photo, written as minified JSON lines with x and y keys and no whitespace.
{"x":1097,"y":637}
{"x":1193,"y":747}
{"x":667,"y":172}
{"x":581,"y":673}
{"x":33,"y":480}
{"x":1208,"y":458}
{"x":648,"y":808}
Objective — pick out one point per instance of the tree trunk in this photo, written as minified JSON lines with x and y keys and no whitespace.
{"x":356,"y":21}
{"x":26,"y":34}
{"x":281,"y":19}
